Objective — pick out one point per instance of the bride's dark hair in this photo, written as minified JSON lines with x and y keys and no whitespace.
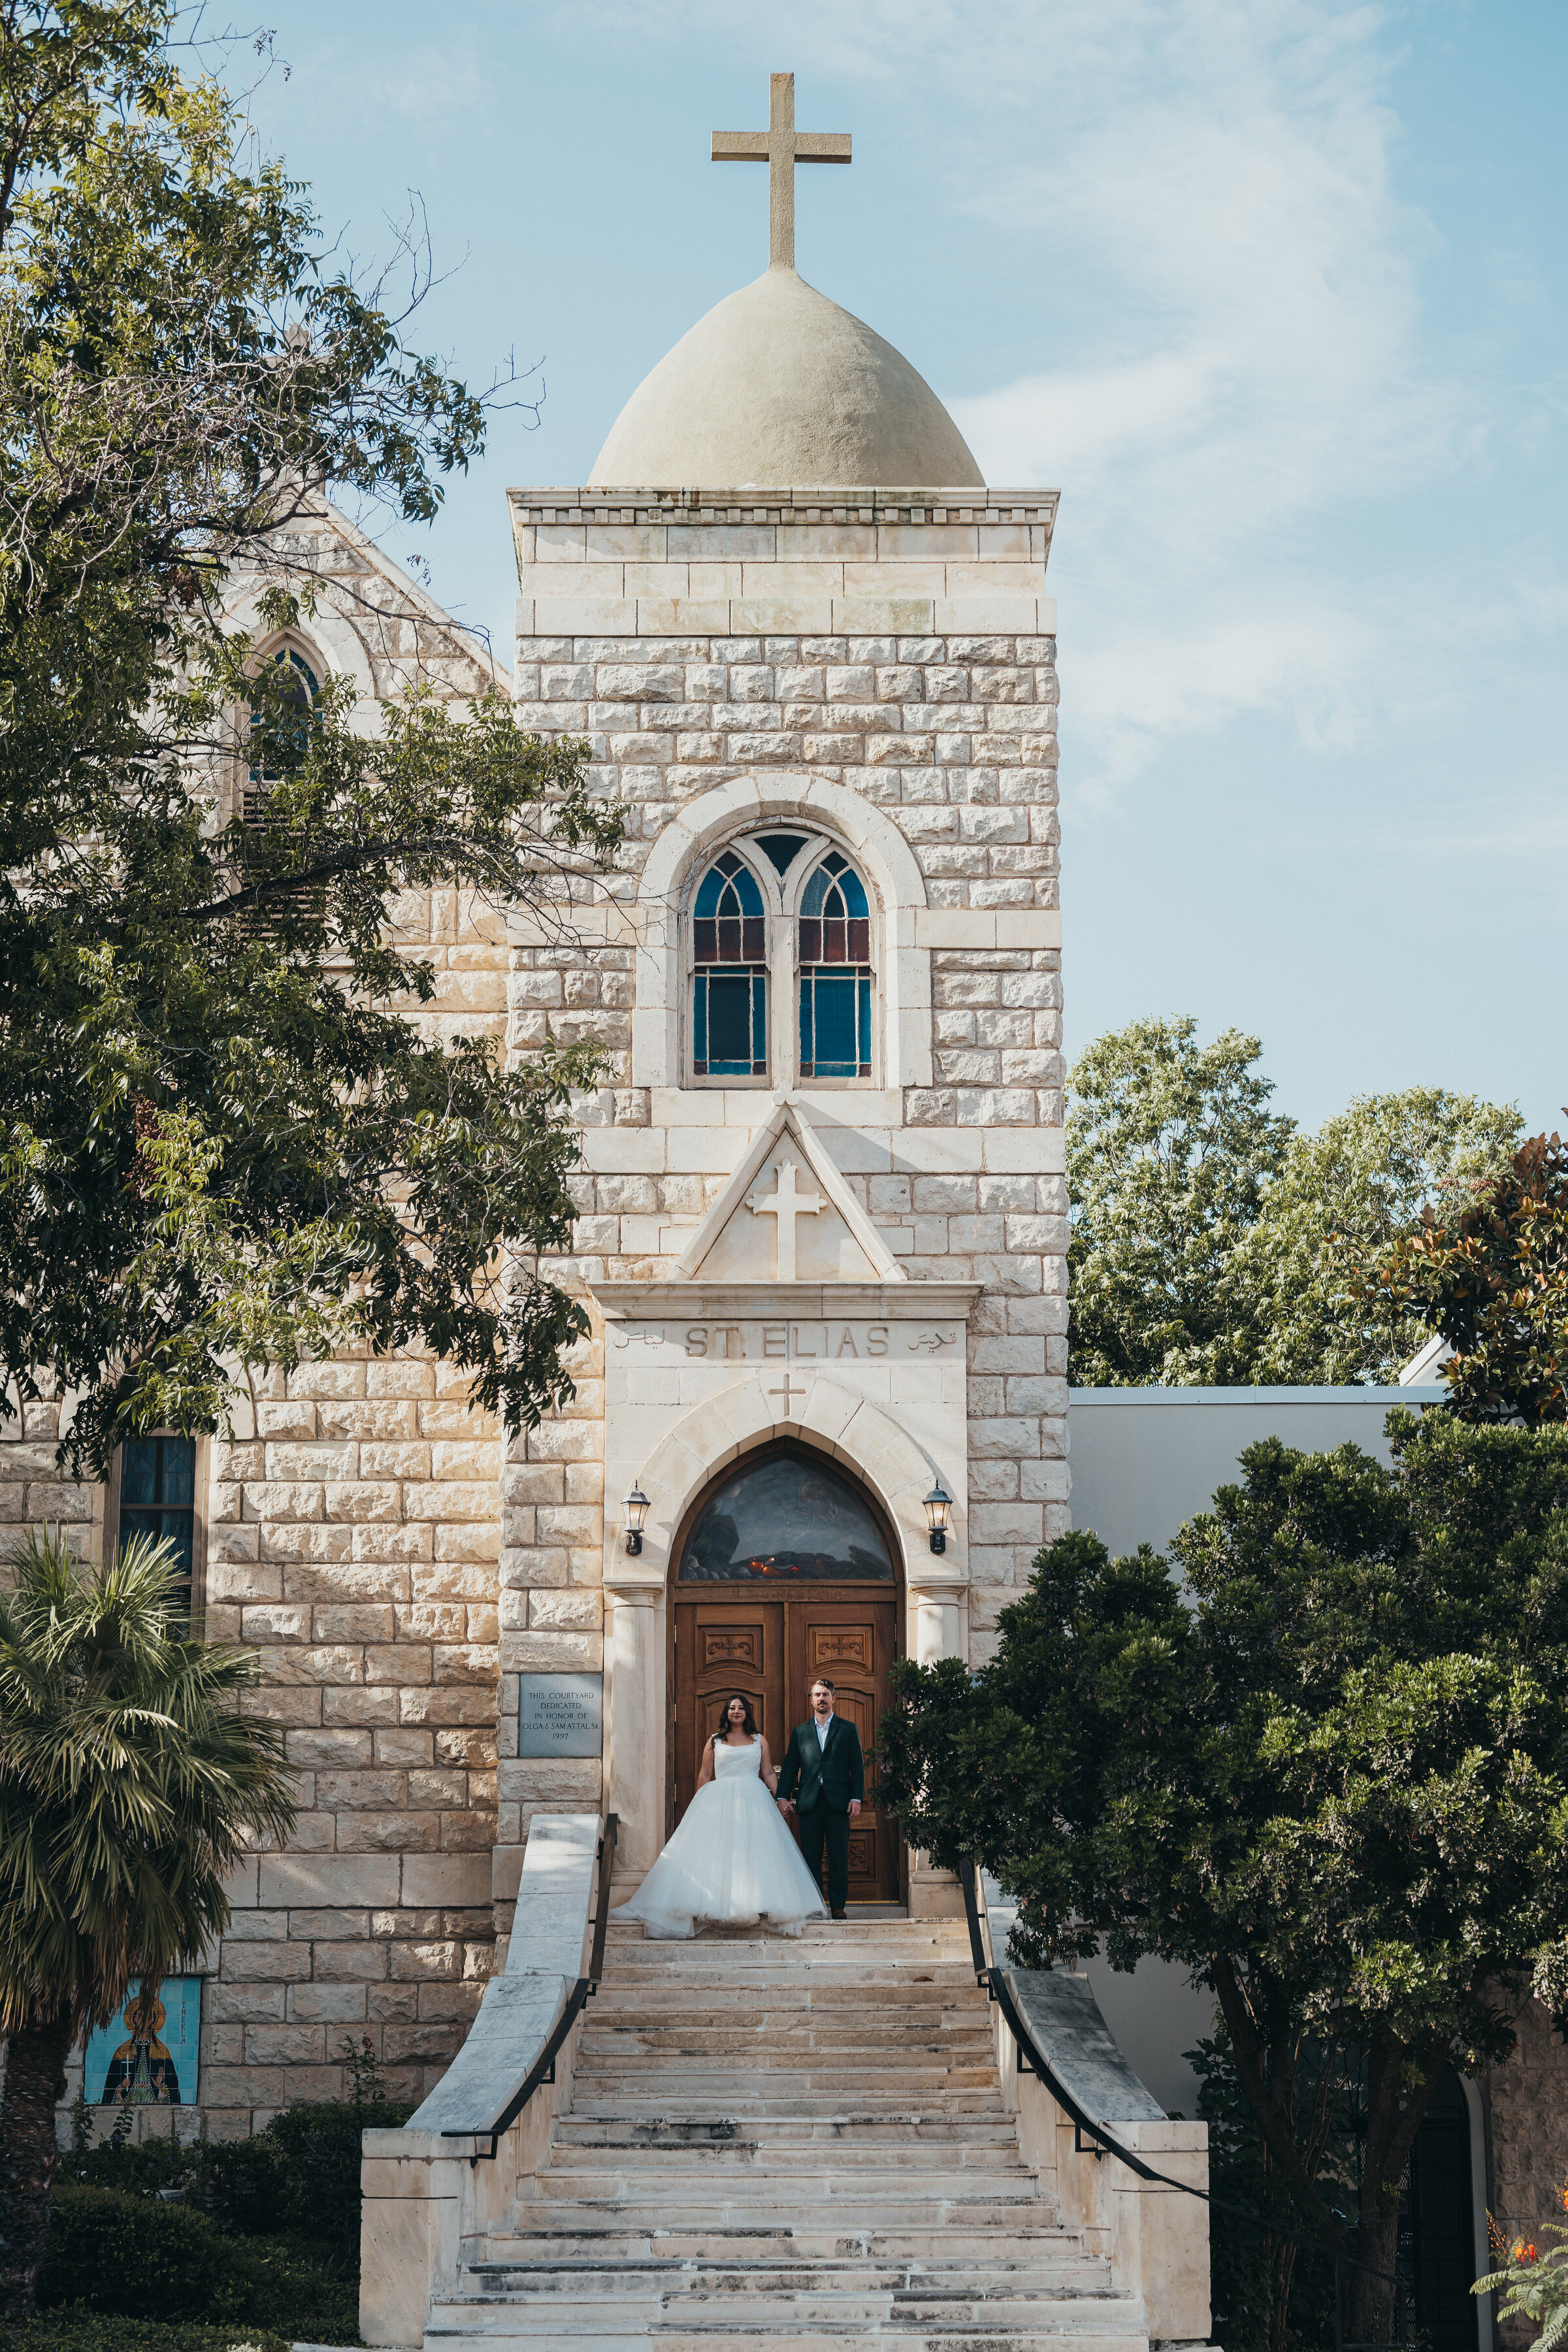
{"x":750,"y":1725}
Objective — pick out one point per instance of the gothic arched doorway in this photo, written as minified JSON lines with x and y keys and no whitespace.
{"x":785,"y":1567}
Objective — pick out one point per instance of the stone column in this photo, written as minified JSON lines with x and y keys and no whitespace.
{"x":635,"y":1725}
{"x":937,"y":1634}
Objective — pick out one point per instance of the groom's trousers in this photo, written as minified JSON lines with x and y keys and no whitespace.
{"x":819,"y":1827}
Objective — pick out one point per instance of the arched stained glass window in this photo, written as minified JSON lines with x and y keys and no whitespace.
{"x":730,"y":982}
{"x":788,"y":1516}
{"x":835,"y":974}
{"x":297,"y":689}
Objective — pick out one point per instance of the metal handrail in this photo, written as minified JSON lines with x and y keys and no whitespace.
{"x":543,"y":2067}
{"x":1031,"y":2060}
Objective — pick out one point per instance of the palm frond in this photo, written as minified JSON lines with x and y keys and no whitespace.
{"x":130,"y":1780}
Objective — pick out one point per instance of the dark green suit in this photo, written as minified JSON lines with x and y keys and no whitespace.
{"x":828,"y":1776}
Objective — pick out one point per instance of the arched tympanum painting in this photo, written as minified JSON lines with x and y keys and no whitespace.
{"x":786,"y":1569}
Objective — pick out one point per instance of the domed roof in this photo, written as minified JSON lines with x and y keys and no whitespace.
{"x":778,"y":385}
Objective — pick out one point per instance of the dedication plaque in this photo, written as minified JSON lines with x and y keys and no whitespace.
{"x":561,"y":1715}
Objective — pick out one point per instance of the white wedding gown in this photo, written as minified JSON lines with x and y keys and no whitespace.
{"x":732,"y":1860}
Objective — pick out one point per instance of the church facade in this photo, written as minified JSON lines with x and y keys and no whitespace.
{"x":821,"y":1420}
{"x":822,"y":1226}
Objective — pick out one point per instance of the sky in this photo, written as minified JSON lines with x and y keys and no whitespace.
{"x":1272,"y":290}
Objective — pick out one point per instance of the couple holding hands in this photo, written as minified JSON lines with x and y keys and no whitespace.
{"x":732,"y":1861}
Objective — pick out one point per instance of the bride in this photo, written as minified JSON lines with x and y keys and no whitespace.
{"x":732,"y":1860}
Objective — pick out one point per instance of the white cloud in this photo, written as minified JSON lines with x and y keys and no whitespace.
{"x":1250,"y":367}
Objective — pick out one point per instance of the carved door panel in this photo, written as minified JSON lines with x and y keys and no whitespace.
{"x":852,"y":1642}
{"x":723,"y":1646}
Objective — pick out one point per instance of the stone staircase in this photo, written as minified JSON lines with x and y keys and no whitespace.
{"x":792,"y":2143}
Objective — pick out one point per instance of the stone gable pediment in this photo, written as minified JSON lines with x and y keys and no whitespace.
{"x":787,"y":1215}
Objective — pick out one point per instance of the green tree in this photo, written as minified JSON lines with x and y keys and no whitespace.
{"x":1350,"y":1190}
{"x":225,"y":1138}
{"x":1327,"y":1771}
{"x":1489,"y":1269}
{"x":1211,"y":1241}
{"x":1171,"y":1149}
{"x":129,"y":1783}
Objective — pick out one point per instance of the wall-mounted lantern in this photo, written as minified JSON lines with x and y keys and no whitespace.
{"x":939,"y":1516}
{"x":635,"y":1510}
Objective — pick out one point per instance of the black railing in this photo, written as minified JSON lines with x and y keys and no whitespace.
{"x":1033,"y":2060}
{"x":543,"y":2070}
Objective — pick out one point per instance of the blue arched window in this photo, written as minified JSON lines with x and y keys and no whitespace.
{"x":729,"y":979}
{"x":835,"y":974}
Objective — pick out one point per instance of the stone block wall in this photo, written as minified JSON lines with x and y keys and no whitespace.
{"x":353,"y":1535}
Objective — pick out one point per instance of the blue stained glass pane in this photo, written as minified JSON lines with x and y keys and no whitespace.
{"x":138,"y":1471}
{"x":728,"y":888}
{"x":865,"y":1039}
{"x":808,"y":1027}
{"x":854,"y":890}
{"x":815,"y":891}
{"x":780,"y":848}
{"x":837,"y":1054}
{"x":179,"y":1483}
{"x":730,"y":1021}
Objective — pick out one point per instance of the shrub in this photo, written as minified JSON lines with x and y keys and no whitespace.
{"x":265,"y":2235}
{"x":318,"y":2154}
{"x":240,"y":2184}
{"x":71,"y":2331}
{"x":135,"y":2255}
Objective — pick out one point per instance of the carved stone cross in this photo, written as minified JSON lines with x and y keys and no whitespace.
{"x":781,"y":147}
{"x":786,"y":1204}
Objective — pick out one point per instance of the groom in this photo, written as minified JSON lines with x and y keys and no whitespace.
{"x":824,"y":1761}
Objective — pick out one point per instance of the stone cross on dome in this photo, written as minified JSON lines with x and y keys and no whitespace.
{"x":781,"y":147}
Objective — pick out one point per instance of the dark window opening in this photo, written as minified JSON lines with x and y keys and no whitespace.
{"x":1436,"y":2228}
{"x":781,"y":849}
{"x":158,"y":1499}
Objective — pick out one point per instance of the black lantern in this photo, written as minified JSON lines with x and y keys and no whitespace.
{"x":635,"y":1510}
{"x":939,"y":1516}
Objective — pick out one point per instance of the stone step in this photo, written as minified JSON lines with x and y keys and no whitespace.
{"x":974,"y":2205}
{"x":833,"y":1960}
{"x":1107,"y":2324}
{"x":711,"y":2028}
{"x":912,"y":2085}
{"x":1111,"y":2330}
{"x":1064,"y":2273}
{"x":1039,"y":2239}
{"x":779,"y":2132}
{"x":838,"y":1971}
{"x":772,"y":2303}
{"x":958,"y":2108}
{"x":781,"y":2158}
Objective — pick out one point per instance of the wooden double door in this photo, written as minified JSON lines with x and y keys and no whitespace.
{"x":772,"y":1647}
